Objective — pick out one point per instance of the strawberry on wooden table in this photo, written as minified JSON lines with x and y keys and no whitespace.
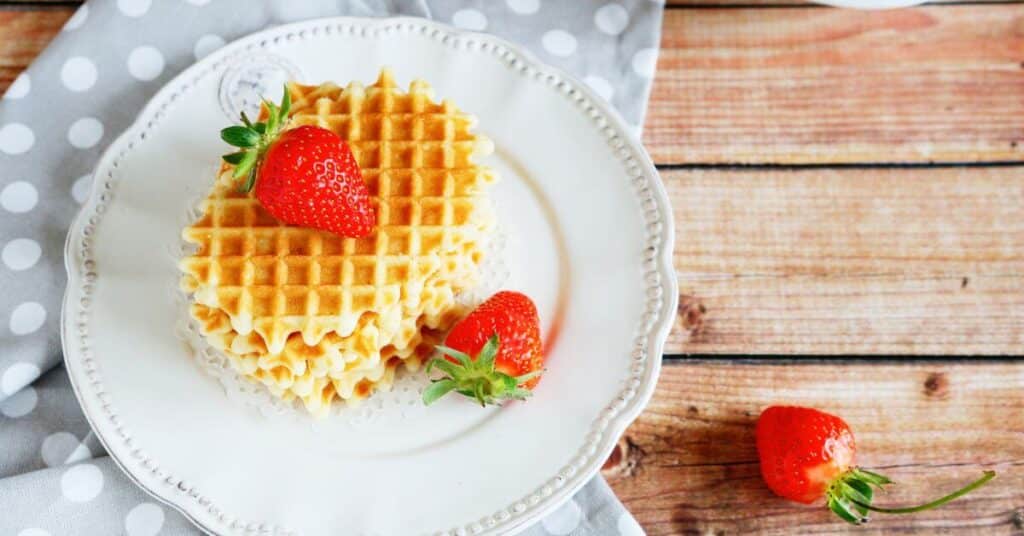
{"x":503,"y":337}
{"x":303,"y":176}
{"x":807,"y":454}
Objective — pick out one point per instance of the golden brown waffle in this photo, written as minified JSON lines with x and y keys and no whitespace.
{"x":334,"y":354}
{"x":432,"y":218}
{"x":346,"y":368}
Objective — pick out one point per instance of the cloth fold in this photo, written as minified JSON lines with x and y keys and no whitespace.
{"x":80,"y":93}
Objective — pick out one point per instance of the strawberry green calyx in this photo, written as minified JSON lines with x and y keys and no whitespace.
{"x":849,"y":496}
{"x":253,"y":139}
{"x":477,"y":378}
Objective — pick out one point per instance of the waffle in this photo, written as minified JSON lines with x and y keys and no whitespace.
{"x":432,"y":213}
{"x":317,"y":317}
{"x":348,"y":369}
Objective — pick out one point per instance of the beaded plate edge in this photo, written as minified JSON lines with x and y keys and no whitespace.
{"x":649,"y":336}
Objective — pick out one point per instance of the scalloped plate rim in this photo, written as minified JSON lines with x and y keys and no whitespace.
{"x":655,"y":338}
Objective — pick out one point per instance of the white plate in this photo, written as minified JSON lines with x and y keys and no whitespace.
{"x":578,"y":195}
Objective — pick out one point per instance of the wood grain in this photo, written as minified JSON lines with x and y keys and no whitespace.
{"x":799,"y":85}
{"x":23,"y":34}
{"x":833,"y":261}
{"x":684,"y":4}
{"x":822,"y":261}
{"x":815,"y":261}
{"x":689,"y":465}
{"x":669,"y":3}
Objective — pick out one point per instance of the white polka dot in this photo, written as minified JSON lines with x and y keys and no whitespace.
{"x":18,"y":376}
{"x":19,"y":88}
{"x":85,"y":133}
{"x":21,"y":253}
{"x":564,"y":520}
{"x":198,"y":2}
{"x":145,"y":63}
{"x":133,"y":8}
{"x":523,"y":7}
{"x":81,"y":483}
{"x":78,"y":74}
{"x":611,"y":19}
{"x":628,"y":526}
{"x":645,"y":61}
{"x":469,"y":19}
{"x":600,"y":86}
{"x":33,"y":532}
{"x":207,"y":44}
{"x":559,"y":42}
{"x":80,"y":189}
{"x":26,"y":318}
{"x":145,"y":519}
{"x":20,"y":404}
{"x":16,"y":138}
{"x":77,"y":19}
{"x":18,"y":197}
{"x":63,"y":448}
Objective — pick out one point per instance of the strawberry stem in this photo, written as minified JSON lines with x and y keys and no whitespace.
{"x":254,"y":139}
{"x":850,"y":495}
{"x":988,"y":475}
{"x":475,"y":378}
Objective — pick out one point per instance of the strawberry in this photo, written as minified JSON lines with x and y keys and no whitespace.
{"x":303,"y":176}
{"x":504,"y":335}
{"x":807,"y":454}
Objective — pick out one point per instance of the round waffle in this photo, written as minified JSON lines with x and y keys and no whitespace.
{"x":320,"y":317}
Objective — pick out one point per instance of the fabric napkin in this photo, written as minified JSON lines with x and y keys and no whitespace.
{"x":86,"y":88}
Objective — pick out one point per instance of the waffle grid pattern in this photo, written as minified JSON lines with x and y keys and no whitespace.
{"x":278,"y":279}
{"x":272,"y":282}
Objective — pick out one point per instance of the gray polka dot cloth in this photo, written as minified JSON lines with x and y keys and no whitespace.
{"x":55,"y":121}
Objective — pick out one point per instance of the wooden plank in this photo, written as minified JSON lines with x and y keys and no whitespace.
{"x":683,"y":4}
{"x":689,"y":464}
{"x":801,"y":85}
{"x":669,"y":3}
{"x":817,"y":261}
{"x":23,"y":34}
{"x":890,"y":315}
{"x":795,"y":85}
{"x":833,"y":261}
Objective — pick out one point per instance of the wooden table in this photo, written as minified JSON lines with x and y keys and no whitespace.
{"x":845,"y":183}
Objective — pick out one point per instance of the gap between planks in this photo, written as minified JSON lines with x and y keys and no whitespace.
{"x":776,"y":4}
{"x":693,"y":469}
{"x":44,"y":5}
{"x":891,"y":305}
{"x":836,"y":359}
{"x":670,"y":4}
{"x":796,"y":86}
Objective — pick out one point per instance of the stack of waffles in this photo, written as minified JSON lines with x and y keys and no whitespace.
{"x":322,"y":318}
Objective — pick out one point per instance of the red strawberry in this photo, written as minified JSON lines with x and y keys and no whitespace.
{"x":807,"y":454}
{"x":504,"y":335}
{"x":303,"y":176}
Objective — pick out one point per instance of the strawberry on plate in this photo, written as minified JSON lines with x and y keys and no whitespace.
{"x":807,"y":454}
{"x":303,"y":176}
{"x":503,"y":335}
